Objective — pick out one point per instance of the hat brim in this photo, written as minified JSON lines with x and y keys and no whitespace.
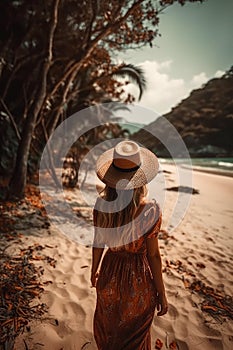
{"x":116,"y":178}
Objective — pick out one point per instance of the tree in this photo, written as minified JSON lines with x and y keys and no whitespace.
{"x":57,"y":56}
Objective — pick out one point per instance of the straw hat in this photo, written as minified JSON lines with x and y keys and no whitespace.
{"x":127,"y":166}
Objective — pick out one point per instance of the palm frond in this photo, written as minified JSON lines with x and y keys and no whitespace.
{"x":135,"y":74}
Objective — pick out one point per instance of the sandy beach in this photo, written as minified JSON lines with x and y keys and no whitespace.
{"x":197,"y":256}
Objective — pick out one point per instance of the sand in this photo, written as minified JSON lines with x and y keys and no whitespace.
{"x":199,"y":248}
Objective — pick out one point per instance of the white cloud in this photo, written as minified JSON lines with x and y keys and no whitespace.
{"x":163,"y":91}
{"x":219,"y":74}
{"x":199,"y":79}
{"x":165,"y":64}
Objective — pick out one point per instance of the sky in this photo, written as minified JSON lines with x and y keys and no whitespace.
{"x":195,"y":46}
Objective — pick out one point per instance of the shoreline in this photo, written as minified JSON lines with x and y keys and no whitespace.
{"x":208,"y":170}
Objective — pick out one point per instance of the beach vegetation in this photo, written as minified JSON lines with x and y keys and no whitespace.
{"x":58,"y":57}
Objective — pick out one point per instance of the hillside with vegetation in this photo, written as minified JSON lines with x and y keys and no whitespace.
{"x":204,"y":120}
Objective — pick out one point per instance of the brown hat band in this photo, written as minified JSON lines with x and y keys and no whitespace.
{"x":127,"y":170}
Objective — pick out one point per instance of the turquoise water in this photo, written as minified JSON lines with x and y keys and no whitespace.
{"x":132,"y":127}
{"x":213,"y":163}
{"x":218,"y":163}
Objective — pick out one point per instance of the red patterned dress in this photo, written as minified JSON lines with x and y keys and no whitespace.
{"x":126,"y":297}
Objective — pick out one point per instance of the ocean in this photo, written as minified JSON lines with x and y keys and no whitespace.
{"x":222,"y":166}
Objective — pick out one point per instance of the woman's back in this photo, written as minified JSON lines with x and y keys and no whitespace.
{"x":129,"y":284}
{"x":146,"y":223}
{"x":131,"y":235}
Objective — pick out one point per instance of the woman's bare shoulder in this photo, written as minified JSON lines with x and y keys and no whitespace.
{"x":153,"y":219}
{"x":151,"y":206}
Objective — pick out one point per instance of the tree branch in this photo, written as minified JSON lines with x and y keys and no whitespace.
{"x":11,"y":119}
{"x":50,"y":166}
{"x":112,"y":27}
{"x":94,"y":9}
{"x":48,"y":59}
{"x":78,"y":64}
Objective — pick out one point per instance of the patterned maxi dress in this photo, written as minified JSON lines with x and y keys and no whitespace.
{"x":126,"y":298}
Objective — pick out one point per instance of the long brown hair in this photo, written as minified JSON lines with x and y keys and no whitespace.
{"x":118,"y":209}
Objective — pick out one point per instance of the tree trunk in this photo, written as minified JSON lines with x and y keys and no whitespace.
{"x":19,"y":178}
